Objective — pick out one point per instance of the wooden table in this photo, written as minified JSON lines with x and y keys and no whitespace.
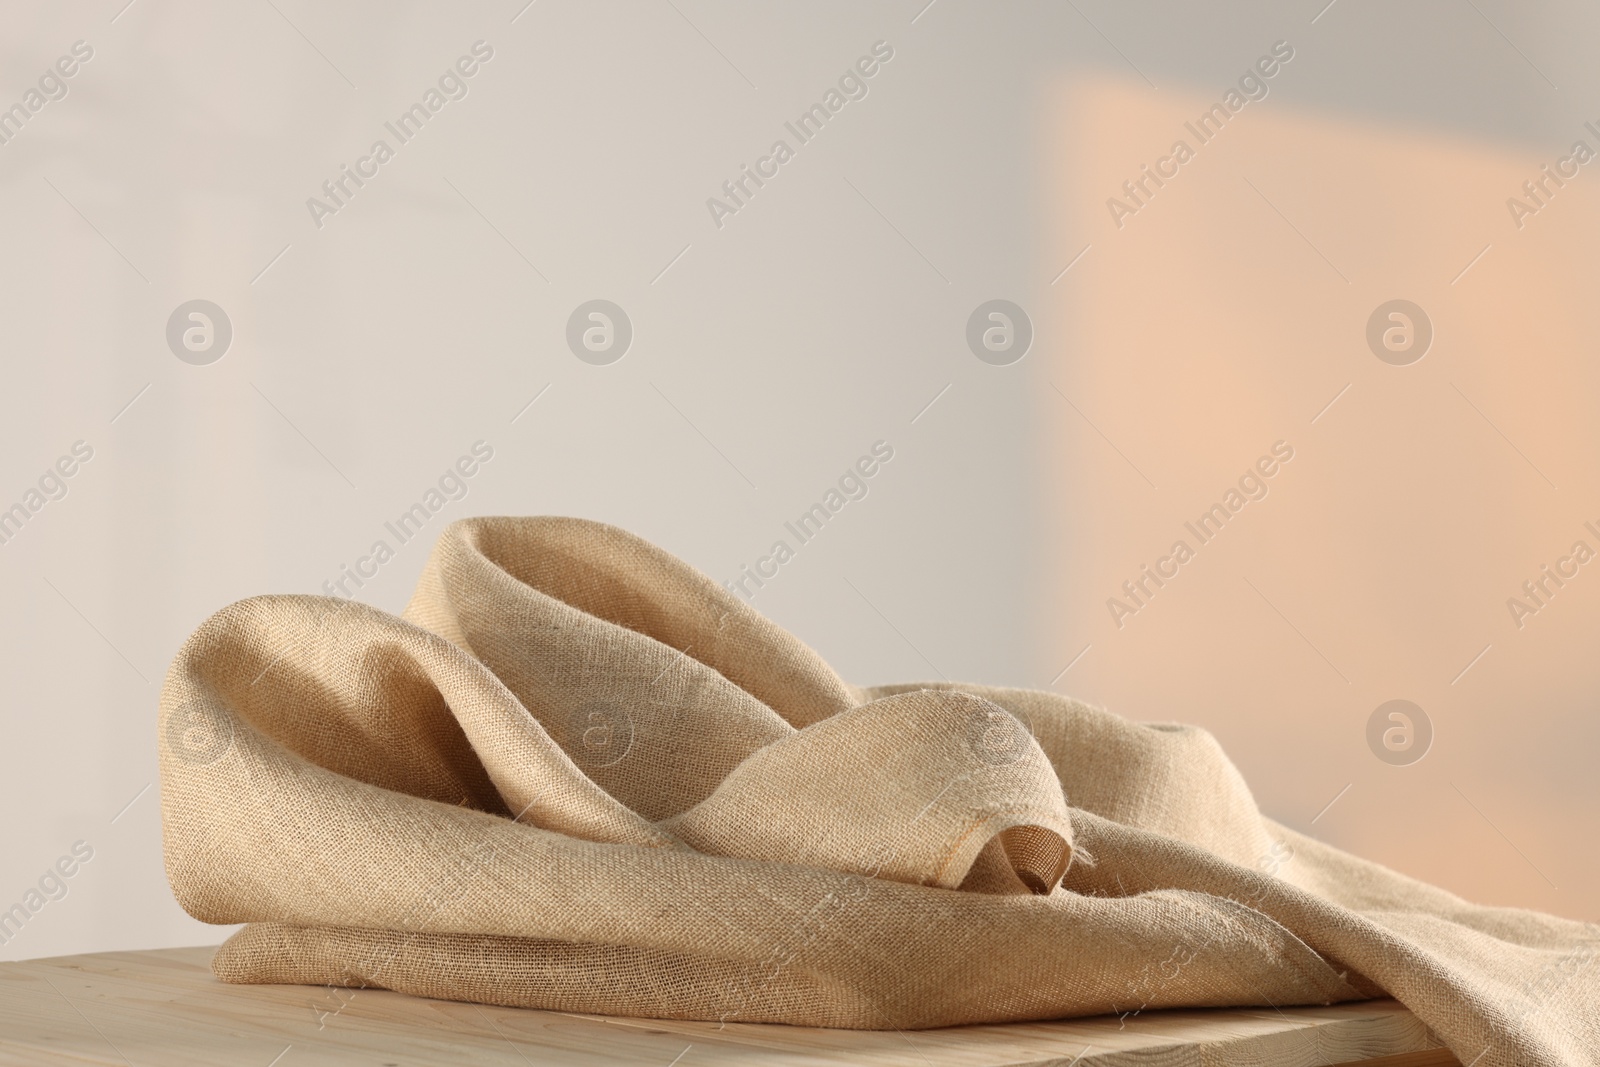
{"x":163,"y":1009}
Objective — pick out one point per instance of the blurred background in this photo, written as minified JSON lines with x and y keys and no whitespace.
{"x":1339,"y":345}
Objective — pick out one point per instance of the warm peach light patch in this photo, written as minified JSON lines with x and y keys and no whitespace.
{"x":1244,"y":306}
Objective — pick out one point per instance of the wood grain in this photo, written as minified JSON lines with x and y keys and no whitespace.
{"x":164,"y":1009}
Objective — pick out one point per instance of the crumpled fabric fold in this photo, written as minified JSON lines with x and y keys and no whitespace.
{"x":580,"y":775}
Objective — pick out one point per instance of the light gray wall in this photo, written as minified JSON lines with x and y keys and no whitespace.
{"x":768,"y":353}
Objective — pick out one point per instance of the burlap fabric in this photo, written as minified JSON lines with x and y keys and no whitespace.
{"x":580,"y":775}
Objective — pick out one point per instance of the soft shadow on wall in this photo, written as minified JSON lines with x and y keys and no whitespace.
{"x":1220,"y":320}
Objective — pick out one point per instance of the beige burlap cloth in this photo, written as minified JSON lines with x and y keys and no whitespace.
{"x":580,"y":775}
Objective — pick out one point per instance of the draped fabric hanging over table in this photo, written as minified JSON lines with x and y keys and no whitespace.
{"x":580,"y":775}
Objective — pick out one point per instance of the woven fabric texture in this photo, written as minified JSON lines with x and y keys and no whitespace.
{"x":580,"y":775}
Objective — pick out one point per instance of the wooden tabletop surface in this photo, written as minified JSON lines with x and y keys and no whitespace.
{"x":164,"y":1009}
